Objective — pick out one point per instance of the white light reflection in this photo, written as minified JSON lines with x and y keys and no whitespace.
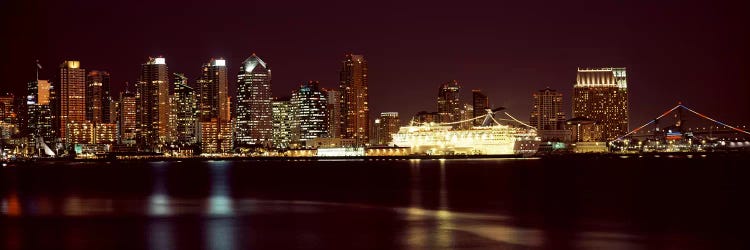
{"x":220,"y":202}
{"x":158,"y":201}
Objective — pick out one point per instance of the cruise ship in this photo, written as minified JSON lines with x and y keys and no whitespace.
{"x":492,"y":138}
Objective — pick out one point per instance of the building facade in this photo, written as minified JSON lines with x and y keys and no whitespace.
{"x":185,"y":111}
{"x":39,"y":124}
{"x":282,"y":123}
{"x":68,"y":97}
{"x":334,"y":112}
{"x":355,"y":110}
{"x":547,"y":112}
{"x":152,"y":103}
{"x":386,"y":125}
{"x":98,"y":98}
{"x":127,"y":125}
{"x":480,"y":103}
{"x":254,"y":122}
{"x":310,"y":112}
{"x":448,"y":102}
{"x":601,"y":95}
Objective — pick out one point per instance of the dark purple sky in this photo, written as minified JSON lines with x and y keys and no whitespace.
{"x":674,"y":50}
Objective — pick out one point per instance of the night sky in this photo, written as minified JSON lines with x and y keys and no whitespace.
{"x":696,"y":53}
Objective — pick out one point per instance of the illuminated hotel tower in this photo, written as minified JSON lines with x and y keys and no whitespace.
{"x":213,"y":105}
{"x":69,"y":103}
{"x":97,"y":97}
{"x":39,"y":113}
{"x":547,"y":113}
{"x":152,"y":102}
{"x":355,"y":111}
{"x":448,"y":102}
{"x":601,"y":95}
{"x":254,"y":123}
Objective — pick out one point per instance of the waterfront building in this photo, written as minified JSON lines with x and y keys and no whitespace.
{"x":68,"y":97}
{"x":254,"y":122}
{"x":480,"y":104}
{"x":215,"y":136}
{"x":98,"y":99}
{"x":310,"y":112}
{"x":39,"y":114}
{"x":185,"y":111}
{"x":334,"y":112}
{"x":152,"y":103}
{"x":601,"y":95}
{"x":386,"y":125}
{"x":282,"y":123}
{"x":355,"y":111}
{"x":8,"y":116}
{"x":547,"y":112}
{"x":213,"y":107}
{"x":448,"y":102}
{"x":127,"y":125}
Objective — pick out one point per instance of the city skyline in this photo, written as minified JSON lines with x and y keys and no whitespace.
{"x":701,"y":49}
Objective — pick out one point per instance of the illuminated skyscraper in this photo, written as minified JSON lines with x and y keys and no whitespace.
{"x":152,"y":102}
{"x":185,"y":112}
{"x":69,"y":97}
{"x":213,"y":91}
{"x":254,"y":122}
{"x":355,"y":111}
{"x":480,"y":104}
{"x":601,"y":95}
{"x":334,"y":112}
{"x":39,"y":113}
{"x":127,"y":127}
{"x":386,"y":125}
{"x":97,"y":97}
{"x":310,"y":112}
{"x":448,"y":102}
{"x":8,"y":116}
{"x":282,"y":123}
{"x":547,"y":112}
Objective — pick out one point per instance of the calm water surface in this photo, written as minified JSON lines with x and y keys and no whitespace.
{"x":570,"y":203}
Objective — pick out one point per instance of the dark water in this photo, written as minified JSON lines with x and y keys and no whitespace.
{"x":570,"y":203}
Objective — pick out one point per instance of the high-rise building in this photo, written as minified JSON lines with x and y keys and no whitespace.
{"x":355,"y":111}
{"x":68,"y":97}
{"x":601,"y":95}
{"x":547,"y":112}
{"x":213,"y":91}
{"x":97,"y":97}
{"x":448,"y":102}
{"x":127,"y":127}
{"x":480,"y":103}
{"x":466,"y":113}
{"x":8,"y":116}
{"x":310,"y":112}
{"x":39,"y":114}
{"x":185,"y":102}
{"x":254,"y":122}
{"x":152,"y":102}
{"x":426,"y":117}
{"x":282,"y":123}
{"x":386,"y":125}
{"x":334,"y":112}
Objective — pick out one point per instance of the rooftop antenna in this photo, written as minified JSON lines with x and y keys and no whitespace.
{"x":38,"y":67}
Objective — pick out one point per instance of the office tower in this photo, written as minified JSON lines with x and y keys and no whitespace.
{"x":601,"y":95}
{"x":8,"y":118}
{"x":39,"y":114}
{"x":355,"y":111}
{"x":152,"y":102}
{"x":282,"y":123}
{"x":547,"y":112}
{"x":97,"y":97}
{"x":254,"y":122}
{"x":185,"y":104}
{"x":68,"y":97}
{"x":213,"y":91}
{"x":386,"y":125}
{"x":480,"y":104}
{"x":448,"y":102}
{"x":127,"y":125}
{"x":310,"y":112}
{"x":334,"y":112}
